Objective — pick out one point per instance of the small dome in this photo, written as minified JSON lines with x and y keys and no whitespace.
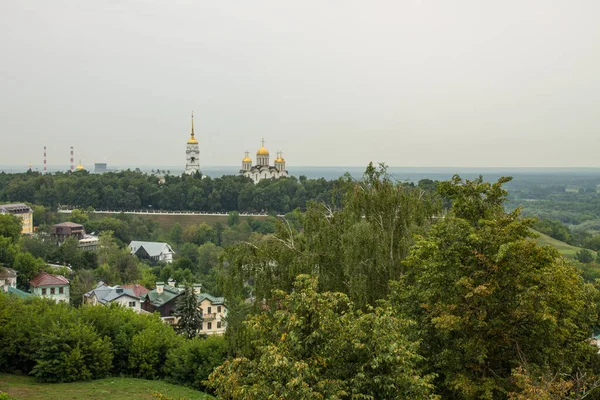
{"x":262,"y":151}
{"x":80,"y":167}
{"x":192,"y":140}
{"x":279,"y":160}
{"x":247,"y":159}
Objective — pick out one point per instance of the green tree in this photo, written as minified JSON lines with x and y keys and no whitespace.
{"x":310,"y":345}
{"x":189,"y":314}
{"x":177,"y":234}
{"x":486,"y":298}
{"x":584,"y":256}
{"x":10,"y":226}
{"x":233,"y":218}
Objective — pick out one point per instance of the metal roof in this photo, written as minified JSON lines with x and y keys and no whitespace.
{"x":154,"y":249}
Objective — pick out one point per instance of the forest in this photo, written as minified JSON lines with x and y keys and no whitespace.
{"x":372,"y":289}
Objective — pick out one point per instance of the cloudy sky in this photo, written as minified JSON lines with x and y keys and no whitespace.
{"x":463,"y":83}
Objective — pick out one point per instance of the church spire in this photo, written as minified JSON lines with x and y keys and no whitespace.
{"x":192,"y":138}
{"x":192,"y":124}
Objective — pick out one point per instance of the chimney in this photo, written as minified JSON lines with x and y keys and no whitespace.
{"x":160,"y":287}
{"x":197,"y":287}
{"x":171,"y":282}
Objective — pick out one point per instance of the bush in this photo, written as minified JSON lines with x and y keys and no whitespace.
{"x":148,"y":352}
{"x":194,"y":360}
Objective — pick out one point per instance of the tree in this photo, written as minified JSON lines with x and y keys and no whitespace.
{"x":486,"y":298}
{"x":233,"y":218}
{"x":189,"y":314}
{"x":10,"y":226}
{"x":310,"y":345}
{"x":584,"y":256}
{"x":177,"y":234}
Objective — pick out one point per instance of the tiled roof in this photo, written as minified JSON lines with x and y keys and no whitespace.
{"x":7,"y":273}
{"x":138,"y":289}
{"x":212,"y":299}
{"x":159,"y":299}
{"x":154,"y":249}
{"x":69,"y":224}
{"x":106,"y":294}
{"x":45,"y":279}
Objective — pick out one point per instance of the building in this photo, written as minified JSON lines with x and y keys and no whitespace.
{"x":89,"y":242}
{"x":100,"y":168}
{"x":262,"y":169}
{"x":163,"y":300}
{"x":153,"y":251}
{"x":105,"y":295}
{"x":55,"y":287}
{"x":8,"y":278}
{"x":61,"y":232}
{"x":192,"y":153}
{"x":24,"y":212}
{"x":213,"y":314}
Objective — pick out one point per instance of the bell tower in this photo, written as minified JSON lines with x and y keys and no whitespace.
{"x":192,"y":153}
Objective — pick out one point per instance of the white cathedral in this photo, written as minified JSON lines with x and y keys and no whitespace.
{"x":192,"y":153}
{"x":262,"y":169}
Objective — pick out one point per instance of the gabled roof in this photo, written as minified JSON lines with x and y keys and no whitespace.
{"x":7,"y":273}
{"x":137,"y":289}
{"x":106,"y":294}
{"x":45,"y":279}
{"x":159,"y":299}
{"x":69,"y":224}
{"x":214,"y":300}
{"x":18,"y":292}
{"x":154,"y":249}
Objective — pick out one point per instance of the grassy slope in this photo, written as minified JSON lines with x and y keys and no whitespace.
{"x":24,"y":387}
{"x":167,"y":221}
{"x":565,"y":249}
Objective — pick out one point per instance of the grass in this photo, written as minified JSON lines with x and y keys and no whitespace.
{"x":166,"y":222}
{"x":25,"y":387}
{"x":565,"y":249}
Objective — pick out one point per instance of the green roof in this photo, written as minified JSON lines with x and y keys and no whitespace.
{"x":212,"y":299}
{"x":160,"y":299}
{"x":18,"y":292}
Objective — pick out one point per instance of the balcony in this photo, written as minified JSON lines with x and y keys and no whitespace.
{"x":209,"y":317}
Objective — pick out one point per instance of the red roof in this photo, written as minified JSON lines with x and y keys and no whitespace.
{"x":137,"y":289}
{"x":45,"y":279}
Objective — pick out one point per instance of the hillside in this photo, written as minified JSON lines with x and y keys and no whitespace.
{"x":565,"y":249}
{"x":24,"y":387}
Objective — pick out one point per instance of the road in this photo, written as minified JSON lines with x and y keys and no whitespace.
{"x":168,"y":213}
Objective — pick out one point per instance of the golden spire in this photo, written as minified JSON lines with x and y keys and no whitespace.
{"x":192,"y":138}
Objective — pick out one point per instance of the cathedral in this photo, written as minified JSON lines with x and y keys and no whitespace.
{"x":262,"y":169}
{"x":192,"y":153}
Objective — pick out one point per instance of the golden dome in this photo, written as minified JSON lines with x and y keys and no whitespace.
{"x":80,"y":167}
{"x":262,"y":151}
{"x":247,"y":159}
{"x":192,"y":140}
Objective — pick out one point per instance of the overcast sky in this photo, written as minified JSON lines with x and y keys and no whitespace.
{"x":462,"y":83}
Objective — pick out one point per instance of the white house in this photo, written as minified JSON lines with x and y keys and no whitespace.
{"x":153,"y":251}
{"x":8,"y":279}
{"x":55,"y":287}
{"x":104,"y":294}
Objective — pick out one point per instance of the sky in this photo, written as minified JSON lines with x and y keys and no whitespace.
{"x":462,"y":83}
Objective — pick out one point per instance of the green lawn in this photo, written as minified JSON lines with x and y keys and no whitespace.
{"x":565,"y":249}
{"x":25,"y":387}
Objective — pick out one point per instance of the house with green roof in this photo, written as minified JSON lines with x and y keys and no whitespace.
{"x":162,"y":299}
{"x":213,"y":314}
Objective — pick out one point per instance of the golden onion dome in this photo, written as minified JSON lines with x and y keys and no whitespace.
{"x":247,"y":159}
{"x":279,"y":160}
{"x":80,"y":167}
{"x":262,"y":151}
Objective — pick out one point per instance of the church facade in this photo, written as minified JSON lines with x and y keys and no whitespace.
{"x":192,"y":153}
{"x":262,"y":169}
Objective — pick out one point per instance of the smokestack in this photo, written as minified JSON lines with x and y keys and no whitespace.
{"x":72,"y":162}
{"x":44,"y":160}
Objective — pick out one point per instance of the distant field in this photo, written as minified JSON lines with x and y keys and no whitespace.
{"x":24,"y":387}
{"x":565,"y":249}
{"x":166,"y":222}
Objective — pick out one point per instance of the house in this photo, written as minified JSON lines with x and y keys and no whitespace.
{"x":65,"y":230}
{"x":213,"y":313}
{"x":24,"y":212}
{"x":8,"y":278}
{"x":55,"y":287}
{"x":104,"y":294}
{"x":163,"y":300}
{"x":153,"y":251}
{"x":138,"y":289}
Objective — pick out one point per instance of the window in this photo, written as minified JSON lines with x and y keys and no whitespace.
{"x":132,"y":304}
{"x":209,"y":325}
{"x":43,"y":291}
{"x":61,"y":290}
{"x":218,"y":324}
{"x":209,"y":310}
{"x":52,"y":290}
{"x":218,"y":309}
